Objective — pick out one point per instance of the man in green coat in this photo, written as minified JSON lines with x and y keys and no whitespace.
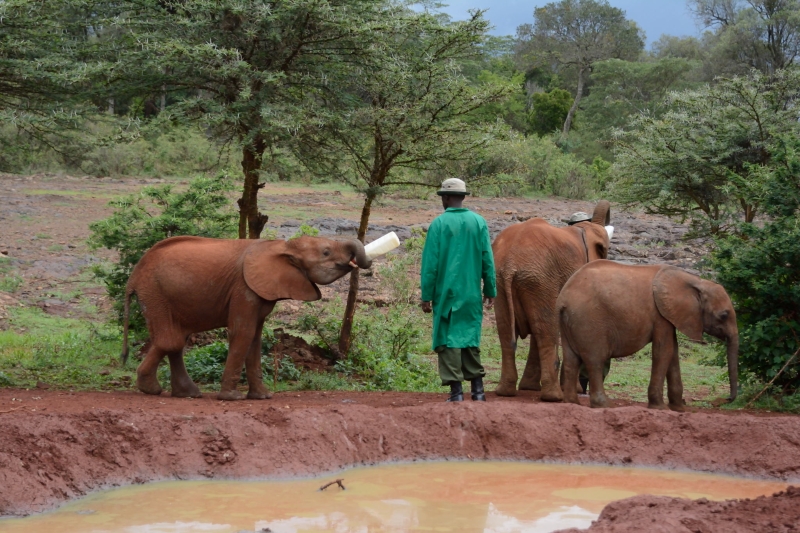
{"x":456,"y":257}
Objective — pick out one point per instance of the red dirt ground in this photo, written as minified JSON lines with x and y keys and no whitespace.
{"x":55,"y":446}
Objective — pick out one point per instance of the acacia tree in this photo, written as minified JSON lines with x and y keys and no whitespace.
{"x":576,"y":34}
{"x":760,"y":34}
{"x":44,"y":69}
{"x":406,"y":112}
{"x":705,"y":159}
{"x":248,"y":70}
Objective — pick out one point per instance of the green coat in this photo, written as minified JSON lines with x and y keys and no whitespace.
{"x":456,"y":257}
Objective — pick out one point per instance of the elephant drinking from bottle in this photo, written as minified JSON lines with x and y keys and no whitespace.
{"x":185,"y":285}
{"x":533,"y":261}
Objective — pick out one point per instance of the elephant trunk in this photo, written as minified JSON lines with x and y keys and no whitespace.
{"x":357,"y":249}
{"x":602,"y":213}
{"x":733,"y":364}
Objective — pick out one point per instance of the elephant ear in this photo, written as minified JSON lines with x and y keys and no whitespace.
{"x":678,"y":300}
{"x":602,"y":213}
{"x":272,"y":274}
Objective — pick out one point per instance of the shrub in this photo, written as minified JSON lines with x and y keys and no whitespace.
{"x":384,"y":354}
{"x":761,"y":271}
{"x":205,"y":364}
{"x":140,"y":221}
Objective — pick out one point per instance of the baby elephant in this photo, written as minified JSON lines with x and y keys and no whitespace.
{"x":608,"y":309}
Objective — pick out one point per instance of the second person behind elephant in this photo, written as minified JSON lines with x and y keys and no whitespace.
{"x":456,"y":258}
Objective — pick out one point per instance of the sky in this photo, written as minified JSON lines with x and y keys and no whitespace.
{"x":655,"y":17}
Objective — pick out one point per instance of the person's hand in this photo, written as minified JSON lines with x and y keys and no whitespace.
{"x":426,"y":307}
{"x":489,"y":302}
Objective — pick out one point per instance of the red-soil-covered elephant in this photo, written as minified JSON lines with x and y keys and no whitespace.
{"x":185,"y":285}
{"x":608,"y":309}
{"x":533,"y":260}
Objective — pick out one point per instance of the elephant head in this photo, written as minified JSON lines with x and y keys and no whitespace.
{"x":696,"y":306}
{"x":279,"y":270}
{"x":595,"y":235}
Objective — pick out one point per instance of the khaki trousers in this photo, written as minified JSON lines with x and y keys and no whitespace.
{"x":459,"y":364}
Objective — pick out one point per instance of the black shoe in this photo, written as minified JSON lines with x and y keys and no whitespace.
{"x":456,"y":393}
{"x":477,"y":390}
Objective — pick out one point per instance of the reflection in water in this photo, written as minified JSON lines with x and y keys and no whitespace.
{"x":464,"y":497}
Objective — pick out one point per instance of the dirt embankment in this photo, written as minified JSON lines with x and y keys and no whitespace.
{"x":72,"y":444}
{"x":659,"y":514}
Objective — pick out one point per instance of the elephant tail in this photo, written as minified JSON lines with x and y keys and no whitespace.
{"x":125,"y":322}
{"x":512,"y":321}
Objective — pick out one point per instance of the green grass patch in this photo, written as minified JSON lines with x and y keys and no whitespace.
{"x":64,"y":353}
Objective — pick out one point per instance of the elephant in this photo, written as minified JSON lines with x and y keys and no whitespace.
{"x":185,"y":285}
{"x":533,"y":260}
{"x":609,"y":309}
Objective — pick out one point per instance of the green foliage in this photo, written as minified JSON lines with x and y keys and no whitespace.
{"x":64,"y":353}
{"x":575,"y":35}
{"x":386,"y":345}
{"x":305,"y":231}
{"x":531,"y":164}
{"x":205,"y":364}
{"x":705,"y":159}
{"x":140,"y":221}
{"x":760,"y":271}
{"x":9,"y":280}
{"x":548,"y":111}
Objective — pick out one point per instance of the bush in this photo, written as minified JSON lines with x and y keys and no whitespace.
{"x":384,"y":354}
{"x":140,"y":221}
{"x":530,"y":164}
{"x":205,"y":364}
{"x":761,"y":271}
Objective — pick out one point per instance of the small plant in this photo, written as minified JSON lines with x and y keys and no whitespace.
{"x":386,"y":349}
{"x":305,"y":231}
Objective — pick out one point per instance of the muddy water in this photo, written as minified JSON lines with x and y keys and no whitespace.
{"x":464,"y":497}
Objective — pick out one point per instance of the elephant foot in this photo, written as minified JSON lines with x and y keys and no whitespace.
{"x":678,"y":408}
{"x":529,"y":384}
{"x":192,"y":391}
{"x":506,"y":389}
{"x":148,"y":385}
{"x":552,"y":394}
{"x":661,"y":406}
{"x":262,"y":394}
{"x":230,"y":395}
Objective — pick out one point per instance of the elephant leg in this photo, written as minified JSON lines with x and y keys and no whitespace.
{"x":253,"y":369}
{"x":182,"y":384}
{"x":241,"y":340}
{"x":147,"y":373}
{"x":674,"y":380}
{"x":551,"y":389}
{"x":569,"y":373}
{"x":532,"y":375}
{"x":597,"y":393}
{"x":663,"y":351}
{"x":508,"y":346}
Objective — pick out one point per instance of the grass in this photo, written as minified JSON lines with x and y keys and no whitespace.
{"x":61,"y":352}
{"x":9,"y":280}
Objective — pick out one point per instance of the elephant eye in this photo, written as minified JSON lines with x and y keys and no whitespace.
{"x":326,"y":253}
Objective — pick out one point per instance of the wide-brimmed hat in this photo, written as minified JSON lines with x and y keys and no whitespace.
{"x":580,"y":216}
{"x":453,"y":186}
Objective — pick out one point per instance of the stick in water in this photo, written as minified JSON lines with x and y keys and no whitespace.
{"x":334,"y":482}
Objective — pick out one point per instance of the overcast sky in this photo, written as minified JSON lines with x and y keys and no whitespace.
{"x":655,"y":17}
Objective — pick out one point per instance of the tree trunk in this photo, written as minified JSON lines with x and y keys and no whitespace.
{"x":251,"y":222}
{"x":574,"y":108}
{"x":350,"y":310}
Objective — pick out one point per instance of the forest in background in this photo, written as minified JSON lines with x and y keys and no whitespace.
{"x":388,"y":95}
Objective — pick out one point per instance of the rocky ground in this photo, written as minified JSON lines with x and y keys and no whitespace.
{"x":45,"y":218}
